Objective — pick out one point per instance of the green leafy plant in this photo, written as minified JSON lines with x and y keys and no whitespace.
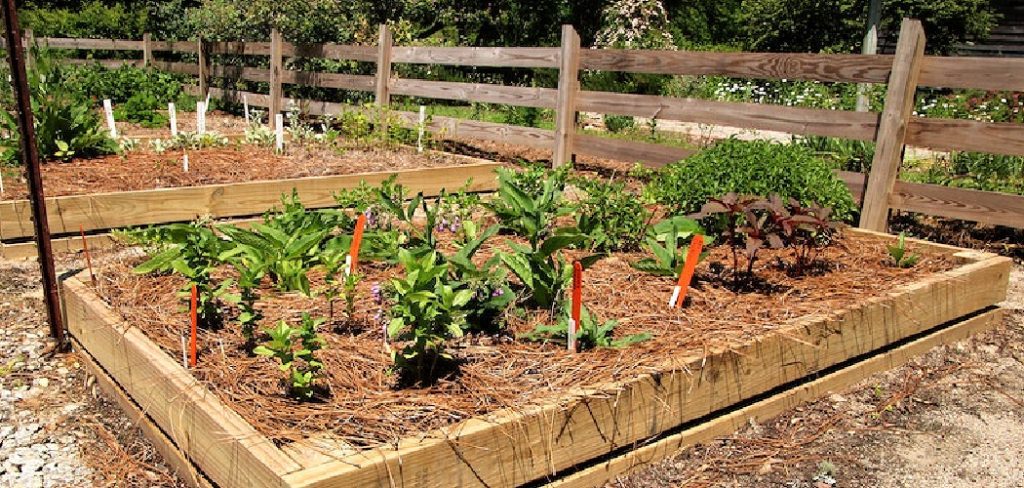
{"x":542,"y":269}
{"x":141,"y":108}
{"x":592,"y":334}
{"x":339,"y":282}
{"x":296,"y":348}
{"x":613,"y":217}
{"x":488,"y":281}
{"x":899,"y":256}
{"x":193,"y":251}
{"x":663,"y":243}
{"x":525,"y":210}
{"x":618,"y":123}
{"x":427,"y":310}
{"x":755,"y":168}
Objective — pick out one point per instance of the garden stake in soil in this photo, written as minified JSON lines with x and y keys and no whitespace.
{"x":88,"y":259}
{"x":686,"y":274}
{"x":108,"y":110}
{"x":279,"y":132}
{"x":357,"y":240}
{"x":577,"y":304}
{"x":172,"y":115}
{"x":193,"y":315}
{"x":245,"y":105}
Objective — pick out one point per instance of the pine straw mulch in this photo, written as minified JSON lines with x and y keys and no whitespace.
{"x":146,"y":170}
{"x":366,"y":409}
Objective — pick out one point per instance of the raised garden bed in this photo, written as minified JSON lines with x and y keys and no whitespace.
{"x":518,"y":413}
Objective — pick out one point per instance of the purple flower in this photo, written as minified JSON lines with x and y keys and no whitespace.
{"x":497,"y":292}
{"x":454,"y":227}
{"x":376,"y":292}
{"x":371,"y":218}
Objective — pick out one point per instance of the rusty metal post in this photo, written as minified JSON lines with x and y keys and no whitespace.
{"x":30,"y":156}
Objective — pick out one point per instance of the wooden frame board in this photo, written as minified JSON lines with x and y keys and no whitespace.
{"x":100,"y":211}
{"x":532,"y":444}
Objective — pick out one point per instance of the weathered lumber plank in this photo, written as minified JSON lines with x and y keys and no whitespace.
{"x":793,"y":66}
{"x":497,"y":57}
{"x":106,"y":63}
{"x":175,"y":46}
{"x":980,"y":206}
{"x":177,"y":67}
{"x":649,"y":454}
{"x":240,"y":73}
{"x":892,"y":126}
{"x":74,"y":43}
{"x":175,"y":459}
{"x":567,"y":95}
{"x":652,"y":155}
{"x":794,"y":120}
{"x":966,"y":135}
{"x":331,"y":51}
{"x":329,"y":80}
{"x":511,"y":448}
{"x":221,"y":443}
{"x":120,"y":209}
{"x":973,"y":72}
{"x":249,"y":48}
{"x":523,"y":96}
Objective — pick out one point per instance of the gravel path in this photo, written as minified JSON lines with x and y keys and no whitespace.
{"x":953,"y":418}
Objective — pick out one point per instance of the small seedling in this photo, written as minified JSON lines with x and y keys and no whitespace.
{"x":295,"y":348}
{"x":591,"y":334}
{"x":899,"y":256}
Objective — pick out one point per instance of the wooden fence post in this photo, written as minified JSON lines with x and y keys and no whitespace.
{"x":892,"y":126}
{"x":204,"y":68}
{"x":568,"y":87}
{"x":147,"y":49}
{"x":276,"y":68}
{"x":29,"y":40}
{"x":384,"y":44}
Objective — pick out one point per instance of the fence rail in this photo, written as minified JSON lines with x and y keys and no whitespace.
{"x":891,"y":129}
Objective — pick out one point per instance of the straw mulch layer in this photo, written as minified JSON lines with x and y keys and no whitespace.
{"x":146,"y":170}
{"x":365,"y":407}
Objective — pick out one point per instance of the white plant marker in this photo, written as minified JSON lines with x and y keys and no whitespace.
{"x":422,"y":127}
{"x":279,"y":132}
{"x":200,"y":118}
{"x":207,"y":101}
{"x":172,"y":115}
{"x":245,"y":103}
{"x":1,"y":182}
{"x":348,"y":265}
{"x":571,"y":333}
{"x":108,"y":109}
{"x":675,"y":296}
{"x":184,"y":162}
{"x":184,"y":353}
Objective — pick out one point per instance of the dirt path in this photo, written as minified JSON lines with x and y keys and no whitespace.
{"x":953,"y":418}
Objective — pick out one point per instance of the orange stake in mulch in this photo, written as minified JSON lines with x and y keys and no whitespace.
{"x":192,"y":360}
{"x":357,"y":240}
{"x":88,"y":259}
{"x":577,"y":304}
{"x":686,"y":275}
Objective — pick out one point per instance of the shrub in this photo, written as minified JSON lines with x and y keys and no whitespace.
{"x":141,"y":108}
{"x":618,"y":123}
{"x":612,"y":216}
{"x":521,"y":116}
{"x":750,"y":168}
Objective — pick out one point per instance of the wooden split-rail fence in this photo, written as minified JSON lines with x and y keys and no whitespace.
{"x":892,"y":130}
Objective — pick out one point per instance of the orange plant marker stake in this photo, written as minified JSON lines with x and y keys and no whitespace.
{"x":686,"y":275}
{"x":577,"y":304}
{"x":192,"y":338}
{"x":88,"y":259}
{"x":357,"y":240}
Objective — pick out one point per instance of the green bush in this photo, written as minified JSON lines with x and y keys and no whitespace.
{"x":612,"y":216}
{"x":521,"y":116}
{"x":618,"y":123}
{"x":977,"y":171}
{"x":90,"y":19}
{"x":141,"y":108}
{"x":126,"y":82}
{"x":758,"y":168}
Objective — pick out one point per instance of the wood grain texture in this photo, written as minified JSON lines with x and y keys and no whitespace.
{"x":74,"y":43}
{"x":177,"y":67}
{"x":973,"y":72}
{"x":102,"y":211}
{"x":957,"y":203}
{"x":248,"y":48}
{"x":175,"y":459}
{"x":649,"y":154}
{"x":339,"y":52}
{"x":567,"y":99}
{"x":147,"y":49}
{"x":803,"y":121}
{"x":498,"y":57}
{"x":240,"y":73}
{"x":203,"y":68}
{"x":383,"y":75}
{"x":511,"y":448}
{"x":329,"y":80}
{"x":768,"y":408}
{"x":106,"y":63}
{"x":228,"y":450}
{"x":175,"y":46}
{"x":793,"y":66}
{"x":892,"y":126}
{"x":522,"y":96}
{"x":966,"y":135}
{"x":274,"y":79}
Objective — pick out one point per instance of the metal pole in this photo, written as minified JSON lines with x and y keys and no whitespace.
{"x":30,"y":156}
{"x":870,"y":46}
